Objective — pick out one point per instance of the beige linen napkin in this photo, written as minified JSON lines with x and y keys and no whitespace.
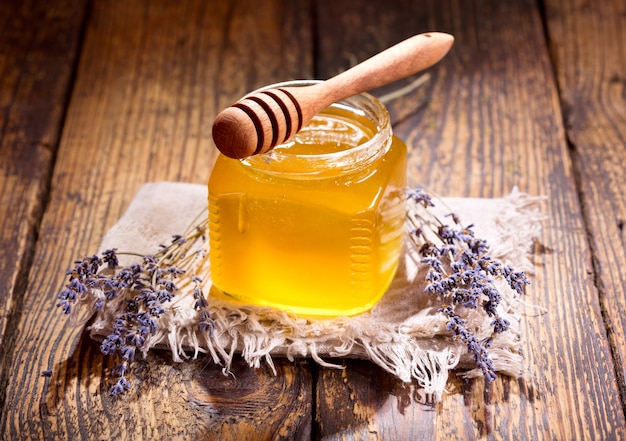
{"x":403,"y":333}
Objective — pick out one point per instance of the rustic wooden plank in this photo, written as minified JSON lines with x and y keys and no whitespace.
{"x":588,"y":42}
{"x":152,"y":76}
{"x":489,"y":119}
{"x":38,"y":48}
{"x":363,"y":402}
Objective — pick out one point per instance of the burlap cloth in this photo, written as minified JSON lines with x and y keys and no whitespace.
{"x":403,"y":333}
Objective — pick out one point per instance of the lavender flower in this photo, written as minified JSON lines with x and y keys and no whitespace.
{"x":198,"y":294}
{"x":83,"y":275}
{"x":121,"y":386}
{"x":206,"y":323}
{"x":517,"y":280}
{"x":481,"y":356}
{"x":110,"y":258}
{"x":419,"y":196}
{"x":500,"y":325}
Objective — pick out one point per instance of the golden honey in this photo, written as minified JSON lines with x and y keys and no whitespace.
{"x":314,"y":226}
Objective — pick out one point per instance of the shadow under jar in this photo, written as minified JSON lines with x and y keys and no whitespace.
{"x":315,"y":226}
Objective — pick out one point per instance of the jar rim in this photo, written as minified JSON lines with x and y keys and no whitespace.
{"x":284,"y":163}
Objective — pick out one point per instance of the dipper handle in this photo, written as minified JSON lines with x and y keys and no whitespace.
{"x":259,"y":122}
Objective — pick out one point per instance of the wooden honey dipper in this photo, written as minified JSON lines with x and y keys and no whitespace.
{"x":259,"y":122}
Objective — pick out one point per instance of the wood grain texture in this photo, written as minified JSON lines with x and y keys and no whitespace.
{"x":490,"y":119}
{"x":38,"y":48}
{"x":588,"y":40}
{"x":151,"y":77}
{"x":363,"y":402}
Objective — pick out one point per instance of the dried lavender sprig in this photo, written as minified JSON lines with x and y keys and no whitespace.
{"x":419,"y":196}
{"x":80,"y":278}
{"x":459,"y":331}
{"x":146,"y":288}
{"x":460,"y":273}
{"x":206,"y":323}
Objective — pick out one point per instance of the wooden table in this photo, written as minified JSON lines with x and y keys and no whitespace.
{"x":100,"y":97}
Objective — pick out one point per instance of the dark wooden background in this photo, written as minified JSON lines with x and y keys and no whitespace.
{"x":98,"y":97}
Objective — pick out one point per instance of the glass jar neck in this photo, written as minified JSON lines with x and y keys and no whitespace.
{"x":289,"y":162}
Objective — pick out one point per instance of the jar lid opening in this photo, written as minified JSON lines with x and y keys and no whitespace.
{"x":349,"y":153}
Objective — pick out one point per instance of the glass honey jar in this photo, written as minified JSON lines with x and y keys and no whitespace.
{"x":315,"y":226}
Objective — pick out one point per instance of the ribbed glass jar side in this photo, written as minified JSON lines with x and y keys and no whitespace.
{"x":314,"y":226}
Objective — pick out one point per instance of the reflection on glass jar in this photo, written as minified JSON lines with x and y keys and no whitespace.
{"x":314,"y":226}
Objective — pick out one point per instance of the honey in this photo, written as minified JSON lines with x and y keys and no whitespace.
{"x":315,"y":226}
